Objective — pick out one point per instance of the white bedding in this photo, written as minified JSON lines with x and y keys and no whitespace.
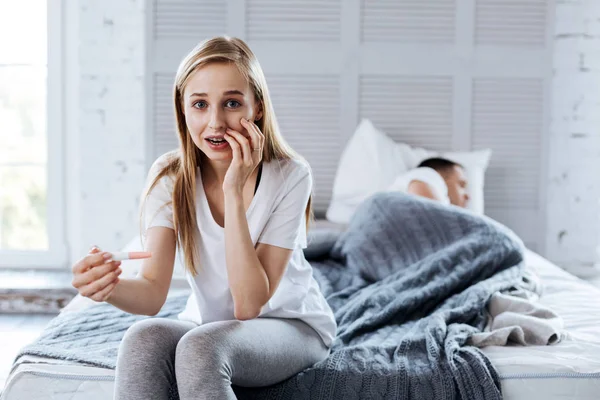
{"x":568,"y":370}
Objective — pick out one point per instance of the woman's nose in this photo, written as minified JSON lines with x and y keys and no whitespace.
{"x":216,"y":121}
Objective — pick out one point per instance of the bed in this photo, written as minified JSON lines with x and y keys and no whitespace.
{"x":569,"y":369}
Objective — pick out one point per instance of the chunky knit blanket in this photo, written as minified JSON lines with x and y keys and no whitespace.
{"x":408,"y":282}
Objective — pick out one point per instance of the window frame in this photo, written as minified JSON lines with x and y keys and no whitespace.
{"x":56,"y":255}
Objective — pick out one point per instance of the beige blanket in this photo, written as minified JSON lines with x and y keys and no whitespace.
{"x":516,"y":317}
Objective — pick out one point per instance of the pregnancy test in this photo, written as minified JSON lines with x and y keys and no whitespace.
{"x":132,"y":255}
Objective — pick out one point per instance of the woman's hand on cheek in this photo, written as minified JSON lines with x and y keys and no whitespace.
{"x":243,"y":163}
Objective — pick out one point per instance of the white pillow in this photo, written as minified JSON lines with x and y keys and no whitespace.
{"x":371,"y":161}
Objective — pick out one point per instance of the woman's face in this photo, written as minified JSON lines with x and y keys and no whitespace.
{"x":215,"y":98}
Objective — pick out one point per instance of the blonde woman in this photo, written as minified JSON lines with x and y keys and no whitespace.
{"x":236,"y":200}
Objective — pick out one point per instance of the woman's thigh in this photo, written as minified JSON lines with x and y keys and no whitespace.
{"x":257,"y":352}
{"x":146,"y":358}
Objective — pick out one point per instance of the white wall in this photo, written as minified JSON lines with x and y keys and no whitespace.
{"x":106,"y":164}
{"x":105,"y":141}
{"x":574,"y":172}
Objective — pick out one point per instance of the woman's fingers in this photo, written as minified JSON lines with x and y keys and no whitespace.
{"x":257,"y":141}
{"x":98,"y":272}
{"x":255,"y":133}
{"x":105,"y":293}
{"x":85,"y":278}
{"x":91,"y":289}
{"x":90,"y":261}
{"x":236,"y":144}
{"x":245,"y":146}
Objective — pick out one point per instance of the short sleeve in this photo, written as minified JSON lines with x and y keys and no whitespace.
{"x":157,"y":207}
{"x":286,"y":226}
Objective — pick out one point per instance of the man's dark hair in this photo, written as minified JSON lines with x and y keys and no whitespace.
{"x":439,"y":164}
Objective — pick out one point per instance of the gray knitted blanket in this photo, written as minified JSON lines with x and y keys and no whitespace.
{"x":408,"y":282}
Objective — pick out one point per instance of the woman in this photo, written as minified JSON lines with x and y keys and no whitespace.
{"x":236,"y":200}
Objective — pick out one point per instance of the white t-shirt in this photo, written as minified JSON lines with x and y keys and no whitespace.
{"x":276,"y":216}
{"x":423,"y":174}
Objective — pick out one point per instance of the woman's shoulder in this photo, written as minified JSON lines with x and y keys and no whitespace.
{"x":164,"y":159}
{"x":159,"y":165}
{"x":291,"y":167}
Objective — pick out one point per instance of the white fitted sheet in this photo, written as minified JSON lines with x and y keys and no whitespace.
{"x":568,"y":370}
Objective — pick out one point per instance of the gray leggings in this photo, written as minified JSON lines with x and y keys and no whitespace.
{"x":205,"y":360}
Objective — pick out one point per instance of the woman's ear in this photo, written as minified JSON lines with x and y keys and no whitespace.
{"x":259,"y":112}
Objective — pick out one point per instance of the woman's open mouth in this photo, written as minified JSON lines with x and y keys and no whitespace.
{"x":217,"y":144}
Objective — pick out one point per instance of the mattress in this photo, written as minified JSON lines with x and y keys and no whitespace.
{"x":568,"y":370}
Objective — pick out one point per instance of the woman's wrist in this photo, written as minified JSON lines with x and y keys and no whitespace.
{"x":232,"y":195}
{"x":234,"y":204}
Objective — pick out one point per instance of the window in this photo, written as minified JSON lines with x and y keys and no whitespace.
{"x":31,"y":207}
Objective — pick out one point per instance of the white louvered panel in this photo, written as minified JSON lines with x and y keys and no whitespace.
{"x":525,"y":222}
{"x":294,"y":20}
{"x":408,"y":21}
{"x":197,"y":20}
{"x":511,"y":22}
{"x":508,"y":117}
{"x":510,"y":188}
{"x":308,"y":112}
{"x":165,"y":132}
{"x":412,"y":109}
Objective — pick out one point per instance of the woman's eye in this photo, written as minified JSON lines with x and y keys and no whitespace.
{"x":199,"y":104}
{"x":232,"y":104}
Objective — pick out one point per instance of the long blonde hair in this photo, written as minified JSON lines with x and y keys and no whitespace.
{"x":182,"y":162}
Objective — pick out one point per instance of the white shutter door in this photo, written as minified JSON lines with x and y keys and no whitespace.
{"x":512,"y":23}
{"x":308,"y":112}
{"x":507,"y":116}
{"x":293,"y":20}
{"x":406,"y":79}
{"x":510,"y":106}
{"x":298,"y":45}
{"x":412,"y":109}
{"x":183,"y":19}
{"x":442,"y":74}
{"x":165,"y":134}
{"x":429,"y":21}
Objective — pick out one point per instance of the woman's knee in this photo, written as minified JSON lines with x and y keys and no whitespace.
{"x":150,"y":334}
{"x":206,"y":345}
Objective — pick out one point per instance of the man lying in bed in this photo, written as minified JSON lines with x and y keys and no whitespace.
{"x":435,"y":178}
